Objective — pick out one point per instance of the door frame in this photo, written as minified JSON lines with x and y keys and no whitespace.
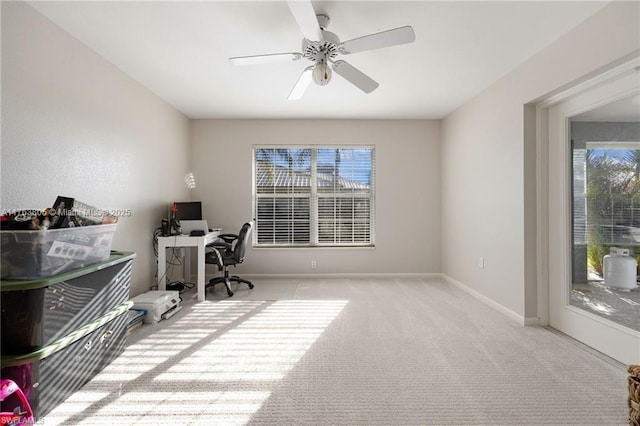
{"x":625,"y":67}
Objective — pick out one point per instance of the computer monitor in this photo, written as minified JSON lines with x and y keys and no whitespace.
{"x":186,"y":210}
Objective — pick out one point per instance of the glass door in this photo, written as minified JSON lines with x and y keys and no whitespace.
{"x":594,"y":216}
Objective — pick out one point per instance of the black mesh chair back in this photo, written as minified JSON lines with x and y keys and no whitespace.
{"x":243,"y":240}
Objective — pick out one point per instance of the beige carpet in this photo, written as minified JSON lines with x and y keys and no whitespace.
{"x":349,"y":352}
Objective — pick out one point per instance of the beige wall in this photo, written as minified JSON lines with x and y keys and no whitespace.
{"x":407,"y":193}
{"x":73,"y":124}
{"x":485,"y":184}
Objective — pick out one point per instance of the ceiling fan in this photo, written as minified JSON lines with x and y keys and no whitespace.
{"x":323,"y":47}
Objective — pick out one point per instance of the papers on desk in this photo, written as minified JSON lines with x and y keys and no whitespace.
{"x":194,"y":225}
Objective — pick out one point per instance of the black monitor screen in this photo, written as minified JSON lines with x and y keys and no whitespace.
{"x":188,"y":210}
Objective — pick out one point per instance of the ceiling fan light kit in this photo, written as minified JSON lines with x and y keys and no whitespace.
{"x":323,"y":47}
{"x":321,"y":73}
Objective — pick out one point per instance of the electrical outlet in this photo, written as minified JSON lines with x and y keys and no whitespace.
{"x":313,"y":264}
{"x":481,"y":262}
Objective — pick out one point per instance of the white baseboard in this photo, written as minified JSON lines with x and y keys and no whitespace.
{"x":492,"y":303}
{"x":532,"y":321}
{"x":248,"y":276}
{"x":481,"y":297}
{"x":341,"y":275}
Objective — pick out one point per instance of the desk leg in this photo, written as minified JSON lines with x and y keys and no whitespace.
{"x":201,"y":267}
{"x":162,"y":267}
{"x":186,"y":268}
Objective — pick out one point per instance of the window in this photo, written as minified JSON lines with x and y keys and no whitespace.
{"x":314,"y":196}
{"x":606,"y":196}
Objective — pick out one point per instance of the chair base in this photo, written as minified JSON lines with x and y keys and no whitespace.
{"x":227,"y":282}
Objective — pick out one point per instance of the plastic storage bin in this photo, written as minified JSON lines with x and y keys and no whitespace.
{"x":37,"y":312}
{"x":28,"y":255}
{"x":51,"y":374}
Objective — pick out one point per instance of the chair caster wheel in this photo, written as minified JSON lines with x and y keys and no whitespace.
{"x":230,"y":293}
{"x":250,"y":286}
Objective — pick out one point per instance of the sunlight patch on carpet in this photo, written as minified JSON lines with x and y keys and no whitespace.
{"x":282,"y":332}
{"x":196,"y":371}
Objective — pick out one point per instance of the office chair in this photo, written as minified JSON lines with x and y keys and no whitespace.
{"x":227,"y":251}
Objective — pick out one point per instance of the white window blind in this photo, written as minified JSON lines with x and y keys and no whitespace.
{"x":607,"y":193}
{"x":314,"y":196}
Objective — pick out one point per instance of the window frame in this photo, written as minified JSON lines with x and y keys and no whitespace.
{"x":314,"y":195}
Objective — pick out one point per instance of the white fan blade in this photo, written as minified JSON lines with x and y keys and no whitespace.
{"x":264,"y":59}
{"x":301,"y":85}
{"x":305,"y":16}
{"x":387,"y":38}
{"x":355,"y":76}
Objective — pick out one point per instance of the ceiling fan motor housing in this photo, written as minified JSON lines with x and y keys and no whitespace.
{"x":318,"y":50}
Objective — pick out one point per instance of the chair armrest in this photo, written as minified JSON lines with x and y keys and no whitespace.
{"x":228,"y":238}
{"x":224,"y":241}
{"x":220,"y":245}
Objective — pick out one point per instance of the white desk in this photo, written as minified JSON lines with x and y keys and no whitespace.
{"x":188,"y":242}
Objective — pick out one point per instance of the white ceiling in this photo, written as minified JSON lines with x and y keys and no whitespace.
{"x":180,"y":51}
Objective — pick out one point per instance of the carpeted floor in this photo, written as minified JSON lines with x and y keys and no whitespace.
{"x":349,"y":352}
